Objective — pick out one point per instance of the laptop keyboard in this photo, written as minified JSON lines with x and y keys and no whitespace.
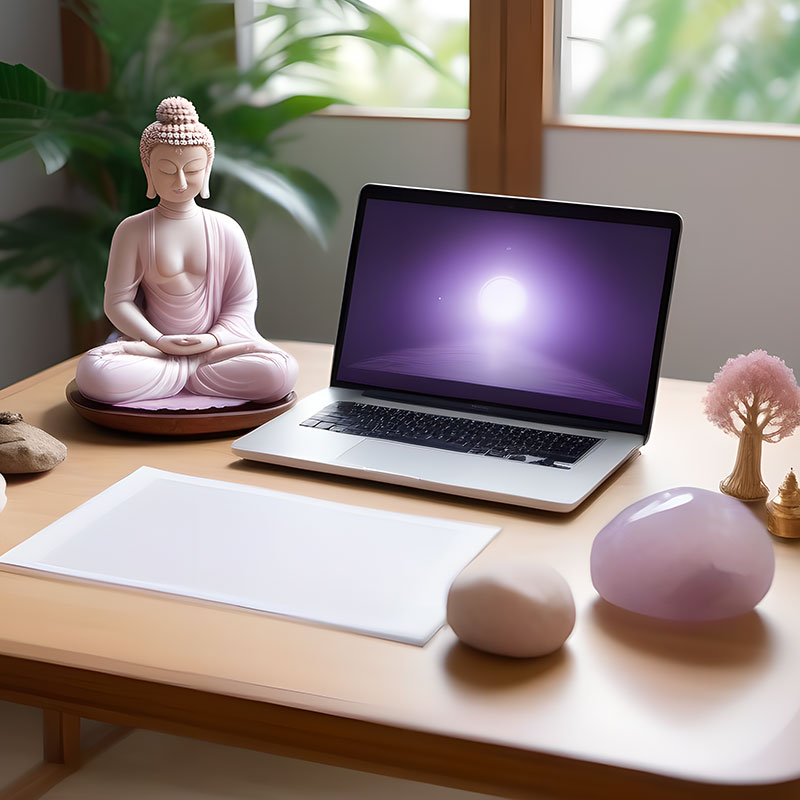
{"x":479,"y":437}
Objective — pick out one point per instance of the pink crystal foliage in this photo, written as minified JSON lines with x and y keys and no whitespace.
{"x":757,"y":390}
{"x":684,"y":554}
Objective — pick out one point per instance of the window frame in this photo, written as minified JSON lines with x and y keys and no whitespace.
{"x":244,"y":13}
{"x":500,"y":155}
{"x":511,"y":53}
{"x":504,"y":128}
{"x":511,"y":95}
{"x":552,"y":118}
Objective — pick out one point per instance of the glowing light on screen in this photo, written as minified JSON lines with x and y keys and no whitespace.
{"x":502,"y":300}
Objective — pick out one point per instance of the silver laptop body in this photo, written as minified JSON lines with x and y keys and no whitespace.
{"x":477,"y":330}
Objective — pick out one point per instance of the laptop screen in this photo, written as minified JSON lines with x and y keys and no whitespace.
{"x":535,"y":305}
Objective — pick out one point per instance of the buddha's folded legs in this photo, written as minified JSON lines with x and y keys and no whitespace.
{"x":264,"y":377}
{"x":108,"y":374}
{"x":125,"y":372}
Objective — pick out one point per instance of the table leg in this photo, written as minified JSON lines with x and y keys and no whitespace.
{"x":61,"y":738}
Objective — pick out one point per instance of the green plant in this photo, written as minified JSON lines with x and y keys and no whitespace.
{"x":159,"y":48}
{"x":387,"y":77}
{"x":704,"y":59}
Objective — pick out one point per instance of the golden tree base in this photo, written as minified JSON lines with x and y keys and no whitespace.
{"x":749,"y":494}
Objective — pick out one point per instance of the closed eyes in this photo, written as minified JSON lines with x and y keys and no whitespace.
{"x":168,"y":168}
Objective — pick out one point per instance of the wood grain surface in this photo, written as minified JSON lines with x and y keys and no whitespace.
{"x":630,"y":707}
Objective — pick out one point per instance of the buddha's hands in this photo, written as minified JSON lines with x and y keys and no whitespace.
{"x":134,"y":348}
{"x":226,"y":351}
{"x":186,"y":344}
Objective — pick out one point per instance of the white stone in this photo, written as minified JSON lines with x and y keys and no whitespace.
{"x":511,"y":607}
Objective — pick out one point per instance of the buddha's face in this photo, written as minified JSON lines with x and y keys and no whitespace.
{"x":177,"y":173}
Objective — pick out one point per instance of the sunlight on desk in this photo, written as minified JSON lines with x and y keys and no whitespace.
{"x":627,"y":708}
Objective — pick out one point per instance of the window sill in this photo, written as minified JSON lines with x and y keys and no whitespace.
{"x":376,"y":112}
{"x":772,"y":130}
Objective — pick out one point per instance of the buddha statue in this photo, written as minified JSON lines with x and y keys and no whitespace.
{"x":181,"y":288}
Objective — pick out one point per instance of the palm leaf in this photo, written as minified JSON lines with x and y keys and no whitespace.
{"x":48,"y":240}
{"x":306,"y":199}
{"x":256,"y":124}
{"x":34,"y":115}
{"x":159,"y":48}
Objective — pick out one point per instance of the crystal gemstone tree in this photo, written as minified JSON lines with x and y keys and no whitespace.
{"x":756,"y":398}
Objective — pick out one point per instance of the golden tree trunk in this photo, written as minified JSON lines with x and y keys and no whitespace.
{"x":745,"y":481}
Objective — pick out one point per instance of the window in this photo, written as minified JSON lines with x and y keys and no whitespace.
{"x":501,"y":39}
{"x":360,"y":69}
{"x":702,"y":59}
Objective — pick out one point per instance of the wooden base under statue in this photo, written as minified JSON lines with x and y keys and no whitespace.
{"x":182,"y":422}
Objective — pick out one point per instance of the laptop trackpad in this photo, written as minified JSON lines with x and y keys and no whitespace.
{"x":401,"y":459}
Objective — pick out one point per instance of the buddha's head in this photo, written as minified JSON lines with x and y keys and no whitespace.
{"x":177,"y":150}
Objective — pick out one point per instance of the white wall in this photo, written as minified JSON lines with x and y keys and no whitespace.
{"x":737,"y":284}
{"x":33,"y":327}
{"x":300,"y":285}
{"x":738,"y":281}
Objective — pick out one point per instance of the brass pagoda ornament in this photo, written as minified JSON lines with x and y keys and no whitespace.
{"x":783,"y":511}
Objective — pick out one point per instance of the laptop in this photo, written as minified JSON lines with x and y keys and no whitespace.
{"x":491,"y":347}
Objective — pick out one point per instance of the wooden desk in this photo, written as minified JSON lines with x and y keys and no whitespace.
{"x":629,"y":708}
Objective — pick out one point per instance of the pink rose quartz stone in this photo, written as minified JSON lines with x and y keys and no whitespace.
{"x":684,"y":554}
{"x":511,"y":608}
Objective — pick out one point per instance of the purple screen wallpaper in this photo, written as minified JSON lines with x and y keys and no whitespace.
{"x":538,"y":312}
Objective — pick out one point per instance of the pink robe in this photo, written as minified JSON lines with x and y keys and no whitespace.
{"x":223,"y":304}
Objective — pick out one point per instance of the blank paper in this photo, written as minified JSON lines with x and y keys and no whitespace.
{"x":364,"y":570}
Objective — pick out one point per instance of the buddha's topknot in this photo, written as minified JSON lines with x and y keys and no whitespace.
{"x":177,"y":124}
{"x":176,"y":111}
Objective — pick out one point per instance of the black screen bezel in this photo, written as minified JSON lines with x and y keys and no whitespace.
{"x":518,"y":205}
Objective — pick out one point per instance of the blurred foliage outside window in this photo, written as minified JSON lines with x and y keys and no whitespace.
{"x":735,"y":60}
{"x":364,"y":73}
{"x":156,"y":49}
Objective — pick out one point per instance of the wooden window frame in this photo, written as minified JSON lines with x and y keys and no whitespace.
{"x":510,"y":53}
{"x":84,"y":63}
{"x":510,"y":57}
{"x":512,"y":86}
{"x":553,"y":120}
{"x":510,"y":95}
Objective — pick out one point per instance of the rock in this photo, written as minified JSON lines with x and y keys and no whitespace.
{"x":24,"y":448}
{"x":684,"y":554}
{"x":511,"y":608}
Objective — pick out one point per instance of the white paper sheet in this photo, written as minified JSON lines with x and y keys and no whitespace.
{"x":374,"y":572}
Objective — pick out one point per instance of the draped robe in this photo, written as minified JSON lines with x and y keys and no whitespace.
{"x":223,"y":304}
